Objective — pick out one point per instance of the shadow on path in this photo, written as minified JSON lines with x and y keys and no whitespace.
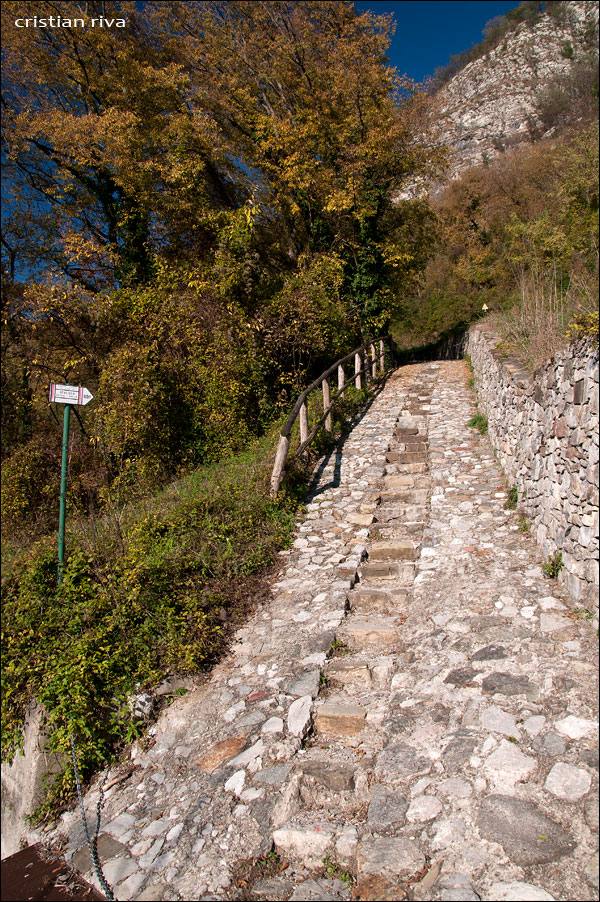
{"x":315,"y":487}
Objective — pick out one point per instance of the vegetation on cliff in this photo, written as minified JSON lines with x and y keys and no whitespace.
{"x":496,"y":31}
{"x":518,"y":238}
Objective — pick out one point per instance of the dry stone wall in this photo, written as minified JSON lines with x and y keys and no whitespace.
{"x":544,"y":429}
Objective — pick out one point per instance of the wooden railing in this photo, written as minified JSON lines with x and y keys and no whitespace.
{"x":368,"y":360}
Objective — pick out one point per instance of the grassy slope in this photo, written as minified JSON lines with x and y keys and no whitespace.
{"x":149,"y":590}
{"x":155,"y":593}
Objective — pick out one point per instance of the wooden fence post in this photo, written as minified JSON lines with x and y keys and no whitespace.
{"x":280,"y":457}
{"x":373,"y":360}
{"x":326,"y":404}
{"x":381,"y":356}
{"x":303,"y":423}
{"x":357,"y":369}
{"x":341,"y":377}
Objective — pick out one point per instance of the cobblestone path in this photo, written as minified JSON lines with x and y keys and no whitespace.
{"x":410,"y":716}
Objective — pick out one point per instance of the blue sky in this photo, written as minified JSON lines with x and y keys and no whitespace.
{"x":429,"y":32}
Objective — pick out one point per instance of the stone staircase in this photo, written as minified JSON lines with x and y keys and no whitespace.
{"x":350,"y":728}
{"x":411,"y":715}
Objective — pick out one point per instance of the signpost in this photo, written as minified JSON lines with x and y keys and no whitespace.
{"x":67,"y":395}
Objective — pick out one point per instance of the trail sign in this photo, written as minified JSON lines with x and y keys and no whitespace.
{"x":69,"y":394}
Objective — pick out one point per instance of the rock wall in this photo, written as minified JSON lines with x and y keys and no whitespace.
{"x":23,"y":783}
{"x":544,"y":429}
{"x":491,"y":103}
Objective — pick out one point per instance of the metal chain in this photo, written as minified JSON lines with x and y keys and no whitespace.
{"x":92,"y":840}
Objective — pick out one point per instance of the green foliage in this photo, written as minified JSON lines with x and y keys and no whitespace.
{"x":523,"y":524}
{"x":519,"y":237}
{"x":512,"y":498}
{"x":117,"y":626}
{"x":335,"y":872}
{"x":584,"y":325}
{"x":582,"y":614}
{"x":27,"y":491}
{"x":338,"y":649}
{"x":566,"y":51}
{"x":479,"y":422}
{"x":553,"y":565}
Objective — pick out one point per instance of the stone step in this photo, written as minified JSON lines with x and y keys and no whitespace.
{"x":414,"y":496}
{"x":404,"y":435}
{"x":385,"y":865}
{"x":370,"y":600}
{"x":390,"y":512}
{"x":393,"y":455}
{"x":404,"y":481}
{"x":394,"y":480}
{"x":406,"y":468}
{"x":393,"y":551}
{"x":392,"y":532}
{"x":349,"y":672}
{"x":305,"y":844}
{"x":362,"y":633}
{"x":356,"y":518}
{"x":335,"y":775}
{"x":409,"y":424}
{"x":340,"y":718}
{"x":402,"y":573}
{"x":412,"y":457}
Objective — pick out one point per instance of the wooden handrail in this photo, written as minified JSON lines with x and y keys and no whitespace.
{"x":374,"y":363}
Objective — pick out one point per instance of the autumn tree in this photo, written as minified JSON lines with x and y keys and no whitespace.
{"x":203,"y":199}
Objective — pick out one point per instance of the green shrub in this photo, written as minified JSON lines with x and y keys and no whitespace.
{"x":479,"y":422}
{"x":566,"y":51}
{"x":553,"y":565}
{"x":29,"y":487}
{"x":512,"y":498}
{"x":524,"y":524}
{"x":155,"y":606}
{"x":585,"y":325}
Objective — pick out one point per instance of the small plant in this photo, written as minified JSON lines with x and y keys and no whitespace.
{"x":337,"y":649}
{"x":523,"y":524}
{"x":269,"y":864}
{"x":512,"y":498}
{"x":323,"y":681}
{"x":554,"y":565}
{"x":471,"y":379}
{"x":581,"y":614}
{"x":479,"y":422}
{"x":566,"y":51}
{"x":335,"y":872}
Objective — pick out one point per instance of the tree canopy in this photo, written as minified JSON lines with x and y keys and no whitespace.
{"x":200,"y":202}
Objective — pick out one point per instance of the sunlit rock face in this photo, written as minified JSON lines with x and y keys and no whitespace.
{"x":491,"y":103}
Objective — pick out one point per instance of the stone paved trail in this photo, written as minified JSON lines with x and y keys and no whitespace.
{"x":411,"y":715}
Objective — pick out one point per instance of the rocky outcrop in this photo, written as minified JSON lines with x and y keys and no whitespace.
{"x":491,"y":103}
{"x":23,"y":782}
{"x":544,"y":431}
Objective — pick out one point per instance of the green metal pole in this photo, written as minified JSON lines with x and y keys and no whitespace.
{"x":62,"y":512}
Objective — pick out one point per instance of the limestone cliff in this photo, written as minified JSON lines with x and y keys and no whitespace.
{"x":492,"y":102}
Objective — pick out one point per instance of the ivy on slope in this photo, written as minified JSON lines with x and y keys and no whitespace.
{"x":121,"y":621}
